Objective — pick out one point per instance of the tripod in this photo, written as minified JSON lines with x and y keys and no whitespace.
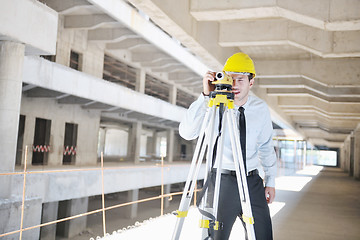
{"x":221,"y":102}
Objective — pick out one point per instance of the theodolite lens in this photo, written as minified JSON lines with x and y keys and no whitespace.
{"x":219,"y":76}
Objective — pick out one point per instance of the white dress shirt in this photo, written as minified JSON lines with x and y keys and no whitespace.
{"x":260,"y":152}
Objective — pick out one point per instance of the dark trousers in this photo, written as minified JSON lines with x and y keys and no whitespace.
{"x":230,"y":207}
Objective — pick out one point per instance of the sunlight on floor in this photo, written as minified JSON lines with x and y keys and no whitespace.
{"x":310,"y":170}
{"x":163,"y":227}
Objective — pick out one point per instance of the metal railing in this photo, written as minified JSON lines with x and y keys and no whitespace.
{"x":103,"y":209}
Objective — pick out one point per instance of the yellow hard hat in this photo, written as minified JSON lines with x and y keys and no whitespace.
{"x":239,"y":63}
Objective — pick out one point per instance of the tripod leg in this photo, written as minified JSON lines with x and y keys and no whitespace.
{"x":200,"y":148}
{"x":213,"y":208}
{"x":241,"y":177}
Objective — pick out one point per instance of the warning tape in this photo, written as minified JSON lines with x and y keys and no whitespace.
{"x":70,"y":150}
{"x":41,"y":148}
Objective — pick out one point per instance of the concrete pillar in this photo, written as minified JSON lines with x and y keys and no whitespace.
{"x":56,"y":142}
{"x":172,"y":94}
{"x":11,"y":70}
{"x":101,"y":144}
{"x":295,"y":155}
{"x":49,"y":213}
{"x":154,"y":142}
{"x":75,"y":226}
{"x":342,"y":157}
{"x":170,"y":145}
{"x":28,"y":138}
{"x":347,"y":154}
{"x":351,"y":155}
{"x":134,"y":142}
{"x":140,"y":81}
{"x":167,"y":189}
{"x":10,"y":218}
{"x":305,"y":154}
{"x":133,"y":195}
{"x":357,"y":152}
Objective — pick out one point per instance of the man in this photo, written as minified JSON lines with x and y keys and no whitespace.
{"x":257,"y":146}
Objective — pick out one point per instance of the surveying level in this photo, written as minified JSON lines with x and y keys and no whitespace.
{"x":221,"y":102}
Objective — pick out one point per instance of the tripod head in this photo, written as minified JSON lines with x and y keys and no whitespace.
{"x":223,"y":82}
{"x":223,"y":91}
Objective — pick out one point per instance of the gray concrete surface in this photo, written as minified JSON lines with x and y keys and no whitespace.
{"x":328,"y":207}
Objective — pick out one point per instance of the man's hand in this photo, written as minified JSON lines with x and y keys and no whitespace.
{"x":269,"y":194}
{"x":207,"y":79}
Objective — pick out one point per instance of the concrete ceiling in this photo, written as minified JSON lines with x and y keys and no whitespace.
{"x":306,"y":53}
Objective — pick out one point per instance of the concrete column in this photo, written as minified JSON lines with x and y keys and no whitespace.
{"x":133,"y":195}
{"x":101,"y":146}
{"x":154,"y":142}
{"x":357,"y":152}
{"x":75,"y":226}
{"x":134,"y":142}
{"x":11,"y":71}
{"x":49,"y":213}
{"x":170,"y":145}
{"x":167,"y":189}
{"x":351,"y":155}
{"x":304,"y":154}
{"x":56,"y":142}
{"x":342,"y":157}
{"x":28,"y":138}
{"x":140,"y":81}
{"x":172,"y":94}
{"x":295,"y":154}
{"x":10,"y":218}
{"x":347,"y":154}
{"x":177,"y":146}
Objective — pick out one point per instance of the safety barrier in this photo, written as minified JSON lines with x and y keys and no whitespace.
{"x":41,"y":148}
{"x":70,"y":150}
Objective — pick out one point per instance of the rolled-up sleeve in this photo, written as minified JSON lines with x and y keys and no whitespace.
{"x":190,"y":125}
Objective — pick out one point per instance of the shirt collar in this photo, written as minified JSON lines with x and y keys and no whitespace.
{"x":245,"y":105}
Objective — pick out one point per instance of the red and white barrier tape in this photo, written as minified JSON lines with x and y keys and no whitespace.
{"x":70,"y":150}
{"x":41,"y":148}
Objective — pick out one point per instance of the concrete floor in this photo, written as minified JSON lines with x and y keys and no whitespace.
{"x":328,"y":207}
{"x":322,"y":206}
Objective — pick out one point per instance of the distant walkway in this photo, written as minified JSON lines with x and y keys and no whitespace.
{"x":328,"y":207}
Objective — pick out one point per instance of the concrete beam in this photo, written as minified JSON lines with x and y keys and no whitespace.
{"x":128,"y":43}
{"x":298,"y":82}
{"x":130,"y":17}
{"x":324,"y":14}
{"x":148,"y":56}
{"x":308,"y":91}
{"x":320,"y":133}
{"x":325,"y":142}
{"x":174,"y":18}
{"x":66,"y":6}
{"x":317,"y":111}
{"x":322,"y":43}
{"x":110,"y":35}
{"x":40,"y":39}
{"x":182,"y":76}
{"x":292,"y":103}
{"x":87,"y":21}
{"x":324,"y":71}
{"x":315,"y":120}
{"x":45,"y":74}
{"x":88,"y":183}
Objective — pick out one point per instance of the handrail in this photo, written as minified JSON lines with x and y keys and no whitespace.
{"x":102,"y":209}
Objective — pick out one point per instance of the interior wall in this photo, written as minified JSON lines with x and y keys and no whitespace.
{"x":88,"y":128}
